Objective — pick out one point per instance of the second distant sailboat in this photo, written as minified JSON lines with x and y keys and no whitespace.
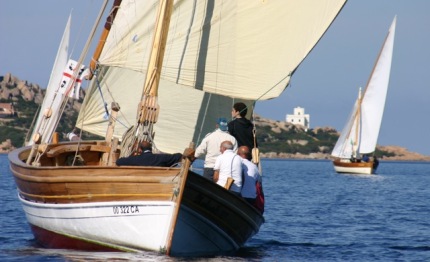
{"x":355,"y":148}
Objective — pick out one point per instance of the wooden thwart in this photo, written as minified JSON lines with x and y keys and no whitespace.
{"x":58,"y":150}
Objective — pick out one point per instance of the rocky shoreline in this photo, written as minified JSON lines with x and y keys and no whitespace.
{"x":402,"y":154}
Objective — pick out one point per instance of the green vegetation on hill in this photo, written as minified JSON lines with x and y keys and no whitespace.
{"x":290,"y":139}
{"x":16,"y":128}
{"x":295,"y":140}
{"x":382,"y":153}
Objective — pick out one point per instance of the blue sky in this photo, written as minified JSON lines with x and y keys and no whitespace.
{"x":326,"y":83}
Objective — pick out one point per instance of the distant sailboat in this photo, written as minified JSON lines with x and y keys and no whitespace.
{"x":42,"y":126}
{"x":356,"y":145}
{"x":61,"y":85}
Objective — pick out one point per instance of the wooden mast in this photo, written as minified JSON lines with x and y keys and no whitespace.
{"x":149,"y":105}
{"x":103,"y":37}
{"x":358,"y":124}
{"x":148,"y":108}
{"x":158,"y":48}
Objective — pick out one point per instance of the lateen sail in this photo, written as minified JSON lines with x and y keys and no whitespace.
{"x":217,"y":51}
{"x":371,"y":108}
{"x":374,"y":95}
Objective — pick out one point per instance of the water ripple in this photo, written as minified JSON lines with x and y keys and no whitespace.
{"x":312,"y":214}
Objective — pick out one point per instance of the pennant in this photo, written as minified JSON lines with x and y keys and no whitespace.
{"x":69,"y":85}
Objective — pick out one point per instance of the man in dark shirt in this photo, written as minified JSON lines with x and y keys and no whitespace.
{"x":147,"y":158}
{"x":241,"y":128}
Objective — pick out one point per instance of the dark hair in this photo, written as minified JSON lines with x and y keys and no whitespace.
{"x":145,"y":145}
{"x":241,"y":108}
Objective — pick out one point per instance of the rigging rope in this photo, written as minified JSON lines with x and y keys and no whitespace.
{"x":280,"y":81}
{"x":204,"y":119}
{"x":101,"y":94}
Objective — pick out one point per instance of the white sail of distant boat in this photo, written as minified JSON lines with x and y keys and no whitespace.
{"x":360,"y":135}
{"x":62,"y":84}
{"x":42,"y":126}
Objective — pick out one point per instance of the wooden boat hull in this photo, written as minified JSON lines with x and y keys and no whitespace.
{"x":212,"y":220}
{"x":121,"y":225}
{"x":96,"y":207}
{"x":346,"y":166}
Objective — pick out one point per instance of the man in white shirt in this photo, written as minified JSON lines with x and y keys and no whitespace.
{"x":250,"y":175}
{"x":73,"y":136}
{"x":210,"y":146}
{"x":228,"y":164}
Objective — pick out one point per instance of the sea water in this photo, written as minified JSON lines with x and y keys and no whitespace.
{"x":312,"y":214}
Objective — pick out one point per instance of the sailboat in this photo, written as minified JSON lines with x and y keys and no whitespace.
{"x":61,"y":85}
{"x":167,"y":69}
{"x":354,"y":150}
{"x":51,"y":90}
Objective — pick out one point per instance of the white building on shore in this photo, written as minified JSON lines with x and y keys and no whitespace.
{"x":299,"y":118}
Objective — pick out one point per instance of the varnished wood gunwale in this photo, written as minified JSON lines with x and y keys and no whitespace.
{"x":337,"y":162}
{"x":363,"y":164}
{"x":81,"y":184}
{"x":354,"y":167}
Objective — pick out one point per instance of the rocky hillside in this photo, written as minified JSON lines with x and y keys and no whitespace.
{"x":277,"y":139}
{"x":12,"y":88}
{"x":25,"y":98}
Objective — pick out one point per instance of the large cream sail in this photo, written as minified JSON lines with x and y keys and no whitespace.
{"x":217,"y":52}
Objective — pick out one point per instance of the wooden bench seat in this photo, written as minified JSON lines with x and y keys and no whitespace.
{"x":58,"y":150}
